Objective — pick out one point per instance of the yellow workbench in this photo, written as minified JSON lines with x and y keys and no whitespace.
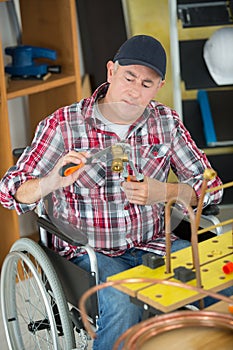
{"x":213,"y":254}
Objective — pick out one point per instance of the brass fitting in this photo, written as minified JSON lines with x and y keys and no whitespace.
{"x":119,"y":157}
{"x":209,"y":174}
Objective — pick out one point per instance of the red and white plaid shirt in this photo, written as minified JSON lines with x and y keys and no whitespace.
{"x":95,"y":203}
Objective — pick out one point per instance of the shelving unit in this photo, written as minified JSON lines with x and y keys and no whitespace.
{"x":191,"y":24}
{"x":50,"y":24}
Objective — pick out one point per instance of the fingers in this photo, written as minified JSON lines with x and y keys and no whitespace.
{"x":136,"y":192}
{"x":72,"y":162}
{"x":75,"y":157}
{"x":56,"y":179}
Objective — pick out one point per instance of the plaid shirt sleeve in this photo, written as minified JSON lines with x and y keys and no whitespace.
{"x":36,"y":161}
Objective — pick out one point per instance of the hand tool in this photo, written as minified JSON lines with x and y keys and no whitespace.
{"x":120,"y":156}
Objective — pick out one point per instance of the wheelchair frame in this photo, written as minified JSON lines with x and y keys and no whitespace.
{"x":40,"y":296}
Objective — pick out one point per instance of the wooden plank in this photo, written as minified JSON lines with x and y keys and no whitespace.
{"x":8,"y":218}
{"x":213,"y":253}
{"x":170,"y":298}
{"x":140,"y":271}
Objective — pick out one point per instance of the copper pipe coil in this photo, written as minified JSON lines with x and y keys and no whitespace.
{"x":96,"y":288}
{"x":135,"y":337}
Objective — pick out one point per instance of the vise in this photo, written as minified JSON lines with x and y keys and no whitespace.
{"x":23,"y":65}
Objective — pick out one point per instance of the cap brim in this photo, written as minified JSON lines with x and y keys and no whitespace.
{"x":129,"y":61}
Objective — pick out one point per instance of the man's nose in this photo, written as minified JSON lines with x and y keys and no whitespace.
{"x":134,"y":90}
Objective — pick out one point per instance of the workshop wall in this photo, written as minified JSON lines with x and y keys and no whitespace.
{"x":151,"y":17}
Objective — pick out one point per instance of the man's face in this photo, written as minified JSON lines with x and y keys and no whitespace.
{"x":131,"y":89}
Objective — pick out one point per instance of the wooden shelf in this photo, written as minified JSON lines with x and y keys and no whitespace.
{"x":49,"y":24}
{"x":18,"y":88}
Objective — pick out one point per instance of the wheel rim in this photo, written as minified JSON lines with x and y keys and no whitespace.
{"x":27,"y":310}
{"x":38,"y":325}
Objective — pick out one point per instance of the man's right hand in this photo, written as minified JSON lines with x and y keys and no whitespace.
{"x":34,"y":189}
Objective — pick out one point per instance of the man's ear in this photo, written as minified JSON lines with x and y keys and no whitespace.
{"x":110,"y":71}
{"x":162,"y":83}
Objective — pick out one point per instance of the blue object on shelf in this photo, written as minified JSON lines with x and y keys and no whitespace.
{"x":23,"y":64}
{"x":208,"y":123}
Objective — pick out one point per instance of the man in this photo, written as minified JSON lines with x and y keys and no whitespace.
{"x":123,"y":220}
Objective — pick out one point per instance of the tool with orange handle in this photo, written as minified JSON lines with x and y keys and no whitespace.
{"x":162,"y":151}
{"x":139,"y":176}
{"x":119,"y":152}
{"x":121,"y":156}
{"x":70,"y":168}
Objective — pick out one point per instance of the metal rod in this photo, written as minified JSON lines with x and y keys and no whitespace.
{"x":194,"y":240}
{"x":175,"y":62}
{"x":203,"y":4}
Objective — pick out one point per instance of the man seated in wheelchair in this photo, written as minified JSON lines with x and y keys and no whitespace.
{"x":115,"y":197}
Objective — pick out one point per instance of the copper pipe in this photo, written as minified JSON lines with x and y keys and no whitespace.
{"x":194,"y":240}
{"x":209,"y":174}
{"x":168,"y":233}
{"x":223,"y":223}
{"x":226,"y":185}
{"x":96,"y":288}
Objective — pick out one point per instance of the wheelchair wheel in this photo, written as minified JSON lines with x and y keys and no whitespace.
{"x":35,"y":312}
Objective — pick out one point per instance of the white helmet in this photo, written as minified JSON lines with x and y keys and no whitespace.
{"x":218,"y":56}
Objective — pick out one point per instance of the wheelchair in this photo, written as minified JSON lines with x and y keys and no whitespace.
{"x":40,"y":292}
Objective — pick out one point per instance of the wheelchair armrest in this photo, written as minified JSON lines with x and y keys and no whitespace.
{"x":183,"y":228}
{"x":18,"y":151}
{"x":211,"y":209}
{"x":209,"y":214}
{"x":47,"y":225}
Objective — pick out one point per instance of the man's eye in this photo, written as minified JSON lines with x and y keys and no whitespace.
{"x":147,"y":86}
{"x":128,"y":79}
